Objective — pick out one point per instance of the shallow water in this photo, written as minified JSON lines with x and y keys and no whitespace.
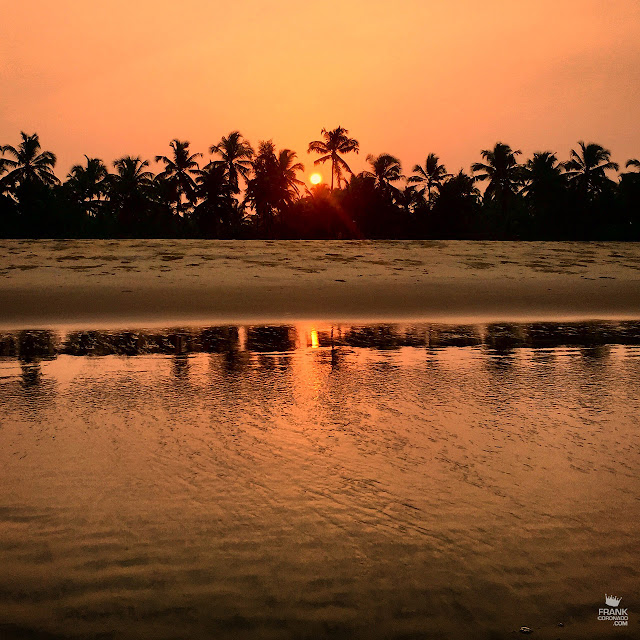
{"x":311,"y":481}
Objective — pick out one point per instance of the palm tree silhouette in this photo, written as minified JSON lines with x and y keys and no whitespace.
{"x":411,"y":199}
{"x":335,"y":142}
{"x":259,"y":187}
{"x":274,"y":185}
{"x":429,"y":176}
{"x":236,"y":155}
{"x":286,"y":180}
{"x":29,"y":165}
{"x":88,"y":183}
{"x":543,"y":175}
{"x":218,"y":211}
{"x":545,"y":193}
{"x":4,"y":185}
{"x":460,"y":184}
{"x":501,"y":169}
{"x":131,"y":181}
{"x":586,"y":168}
{"x":385,"y":170}
{"x":633,"y":164}
{"x":130,"y":190}
{"x":179,"y":171}
{"x":212,"y":184}
{"x":455,"y":210}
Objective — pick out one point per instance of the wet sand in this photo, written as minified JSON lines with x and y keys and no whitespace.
{"x":145,"y":282}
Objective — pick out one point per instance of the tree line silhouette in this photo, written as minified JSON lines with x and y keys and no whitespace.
{"x":240,"y":192}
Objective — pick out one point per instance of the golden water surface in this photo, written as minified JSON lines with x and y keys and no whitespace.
{"x":319,"y":482}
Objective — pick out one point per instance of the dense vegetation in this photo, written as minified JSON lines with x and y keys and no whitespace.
{"x":243,"y":193}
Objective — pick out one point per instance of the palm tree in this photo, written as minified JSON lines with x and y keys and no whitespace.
{"x":586,"y":168}
{"x":259,"y":188}
{"x":130,"y":191}
{"x":236,"y":155}
{"x":411,"y":199}
{"x":212,"y":184}
{"x":286,"y":180}
{"x":335,"y":142}
{"x":218,"y":211}
{"x":543,"y":176}
{"x":385,"y":170}
{"x":455,"y":213}
{"x":628,"y":196}
{"x":462,"y":185}
{"x":429,"y":176}
{"x":274,"y":185}
{"x":88,"y":183}
{"x":501,"y":169}
{"x":30,"y":165}
{"x":4,"y":186}
{"x":132,"y":181}
{"x":545,"y":193}
{"x":179,"y":171}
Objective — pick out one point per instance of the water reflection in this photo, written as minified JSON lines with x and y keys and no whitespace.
{"x":234,"y":361}
{"x":181,"y":366}
{"x":302,"y":481}
{"x":593,"y":338}
{"x":219,"y":339}
{"x":271,"y":338}
{"x":31,"y":373}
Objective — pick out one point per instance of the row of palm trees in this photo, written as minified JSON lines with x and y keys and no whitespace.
{"x":520,"y":198}
{"x":269,"y":178}
{"x":239,"y":189}
{"x":586,"y":169}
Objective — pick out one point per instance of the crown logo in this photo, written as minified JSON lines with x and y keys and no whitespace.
{"x":612,"y":601}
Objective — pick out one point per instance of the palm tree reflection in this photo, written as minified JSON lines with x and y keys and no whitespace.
{"x":266,"y":339}
{"x":180,"y":366}
{"x":31,"y":374}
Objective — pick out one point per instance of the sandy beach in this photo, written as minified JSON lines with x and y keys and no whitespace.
{"x":111,"y":282}
{"x":362,"y":440}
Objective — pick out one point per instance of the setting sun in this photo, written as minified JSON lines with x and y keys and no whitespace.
{"x":316,"y":178}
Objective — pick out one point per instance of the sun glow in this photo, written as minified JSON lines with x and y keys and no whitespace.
{"x":316,"y":178}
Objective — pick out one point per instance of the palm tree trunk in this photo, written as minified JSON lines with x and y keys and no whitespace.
{"x":333,"y":170}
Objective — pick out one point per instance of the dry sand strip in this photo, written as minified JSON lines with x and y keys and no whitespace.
{"x":145,"y":283}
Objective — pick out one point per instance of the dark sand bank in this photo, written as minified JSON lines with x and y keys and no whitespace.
{"x":158,"y":281}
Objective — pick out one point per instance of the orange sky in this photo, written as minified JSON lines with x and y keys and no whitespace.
{"x":125,"y":77}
